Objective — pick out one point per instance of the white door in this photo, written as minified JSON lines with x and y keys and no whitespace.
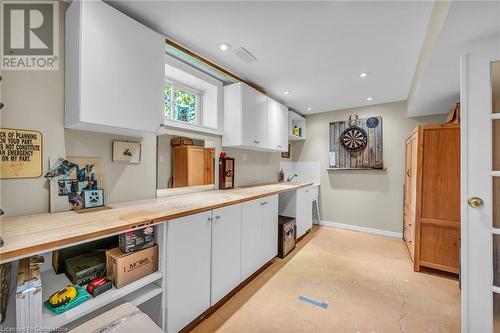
{"x":277,"y":126}
{"x":273,"y":124}
{"x":188,"y":269}
{"x":269,"y":220}
{"x":303,"y":217}
{"x":254,"y":120}
{"x":283,"y":128}
{"x":480,"y":234}
{"x":226,"y":251}
{"x":251,"y":238}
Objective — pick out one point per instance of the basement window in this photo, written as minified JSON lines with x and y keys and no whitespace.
{"x":182,"y":103}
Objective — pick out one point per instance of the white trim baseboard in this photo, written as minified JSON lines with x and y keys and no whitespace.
{"x":391,"y":234}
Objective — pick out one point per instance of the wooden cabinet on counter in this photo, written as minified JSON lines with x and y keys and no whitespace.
{"x":432,"y":197}
{"x":192,"y":165}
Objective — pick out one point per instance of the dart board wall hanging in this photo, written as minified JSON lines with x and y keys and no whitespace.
{"x":356,"y":143}
{"x":354,"y":138}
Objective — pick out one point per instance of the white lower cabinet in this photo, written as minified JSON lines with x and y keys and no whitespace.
{"x":210,"y":253}
{"x":269,"y":222}
{"x":188,"y":269}
{"x":226,"y":251}
{"x":304,"y":210}
{"x":298,"y":204}
{"x":259,"y":241}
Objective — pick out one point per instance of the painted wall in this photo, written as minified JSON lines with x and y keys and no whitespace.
{"x":253,"y":167}
{"x":372,"y":199}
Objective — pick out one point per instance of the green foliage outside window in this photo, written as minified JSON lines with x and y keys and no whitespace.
{"x":168,"y":103}
{"x":183,"y":103}
{"x":185,"y":106}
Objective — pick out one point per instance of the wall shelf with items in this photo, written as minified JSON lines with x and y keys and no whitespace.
{"x":296,"y":127}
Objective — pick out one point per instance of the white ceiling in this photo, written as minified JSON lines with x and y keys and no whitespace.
{"x":470,"y":27}
{"x":314,"y":49}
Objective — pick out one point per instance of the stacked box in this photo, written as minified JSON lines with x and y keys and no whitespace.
{"x":136,"y":240}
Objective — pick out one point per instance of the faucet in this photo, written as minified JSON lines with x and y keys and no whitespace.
{"x":289,"y":178}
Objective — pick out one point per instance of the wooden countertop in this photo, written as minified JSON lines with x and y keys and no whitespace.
{"x":34,"y":234}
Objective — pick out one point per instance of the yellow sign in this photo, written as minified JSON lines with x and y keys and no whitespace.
{"x":20,"y":153}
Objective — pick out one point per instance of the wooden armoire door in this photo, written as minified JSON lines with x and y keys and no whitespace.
{"x":410,"y":192}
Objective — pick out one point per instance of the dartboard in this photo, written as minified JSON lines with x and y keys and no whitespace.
{"x":354,"y":139}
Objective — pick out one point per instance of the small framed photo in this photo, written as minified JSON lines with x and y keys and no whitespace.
{"x":129,"y":152}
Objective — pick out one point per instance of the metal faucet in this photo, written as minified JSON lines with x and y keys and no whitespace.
{"x":289,"y":178}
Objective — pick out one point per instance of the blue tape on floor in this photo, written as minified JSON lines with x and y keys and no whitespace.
{"x":314,"y":302}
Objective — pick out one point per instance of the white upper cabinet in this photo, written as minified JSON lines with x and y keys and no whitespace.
{"x":253,"y":121}
{"x":244,"y":117}
{"x":277,"y":125}
{"x":114,"y":71}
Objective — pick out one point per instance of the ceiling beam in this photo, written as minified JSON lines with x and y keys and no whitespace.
{"x":209,"y":63}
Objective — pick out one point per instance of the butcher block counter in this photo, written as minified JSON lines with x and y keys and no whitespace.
{"x":39,"y":233}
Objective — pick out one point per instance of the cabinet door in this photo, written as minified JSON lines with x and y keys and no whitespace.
{"x":283,"y":142}
{"x":304,"y":211}
{"x":209,"y":165}
{"x":251,"y":238}
{"x":269,"y":211}
{"x":226,"y":251}
{"x":412,"y":204}
{"x":196,"y":166}
{"x":277,"y":126}
{"x":188,"y":269}
{"x":254,"y":117}
{"x":109,"y":86}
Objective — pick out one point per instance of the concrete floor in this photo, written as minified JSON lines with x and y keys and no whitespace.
{"x":367,"y":282}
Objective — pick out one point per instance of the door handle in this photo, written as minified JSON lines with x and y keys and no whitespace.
{"x":475,"y":202}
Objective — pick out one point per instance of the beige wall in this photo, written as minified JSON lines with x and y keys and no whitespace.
{"x":371,"y":199}
{"x":253,"y":167}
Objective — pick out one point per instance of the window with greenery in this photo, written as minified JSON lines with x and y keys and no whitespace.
{"x":182,"y":103}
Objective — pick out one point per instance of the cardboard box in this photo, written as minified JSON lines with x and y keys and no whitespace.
{"x":124,"y":268}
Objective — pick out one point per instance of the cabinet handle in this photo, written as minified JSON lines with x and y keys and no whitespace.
{"x":210,"y":219}
{"x":217,"y":217}
{"x":263,"y":203}
{"x":408,"y":172}
{"x":256,"y":141}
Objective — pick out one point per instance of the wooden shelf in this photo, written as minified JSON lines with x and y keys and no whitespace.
{"x":292,"y":137}
{"x":363,"y":169}
{"x":136,"y":293}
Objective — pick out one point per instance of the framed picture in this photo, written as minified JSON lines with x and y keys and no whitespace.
{"x":129,"y":152}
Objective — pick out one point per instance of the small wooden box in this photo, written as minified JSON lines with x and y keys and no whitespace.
{"x":180,"y":141}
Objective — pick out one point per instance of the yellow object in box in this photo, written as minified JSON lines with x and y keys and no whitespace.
{"x":296,"y":131}
{"x":124,"y":268}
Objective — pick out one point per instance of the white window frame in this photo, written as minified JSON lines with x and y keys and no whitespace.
{"x":198,"y":102}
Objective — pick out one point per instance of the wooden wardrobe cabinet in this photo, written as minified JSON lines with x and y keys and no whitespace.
{"x":192,"y":165}
{"x":432,"y":197}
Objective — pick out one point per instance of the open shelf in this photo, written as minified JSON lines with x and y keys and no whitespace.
{"x":136,"y":293}
{"x":373,"y":169}
{"x":292,"y":137}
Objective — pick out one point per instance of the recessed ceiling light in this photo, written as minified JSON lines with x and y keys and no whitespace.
{"x":287,"y":92}
{"x":370,"y":99}
{"x":224,"y":46}
{"x":309,"y":109}
{"x":363,"y":74}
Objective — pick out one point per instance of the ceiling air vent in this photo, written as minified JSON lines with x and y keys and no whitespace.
{"x":244,"y":55}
